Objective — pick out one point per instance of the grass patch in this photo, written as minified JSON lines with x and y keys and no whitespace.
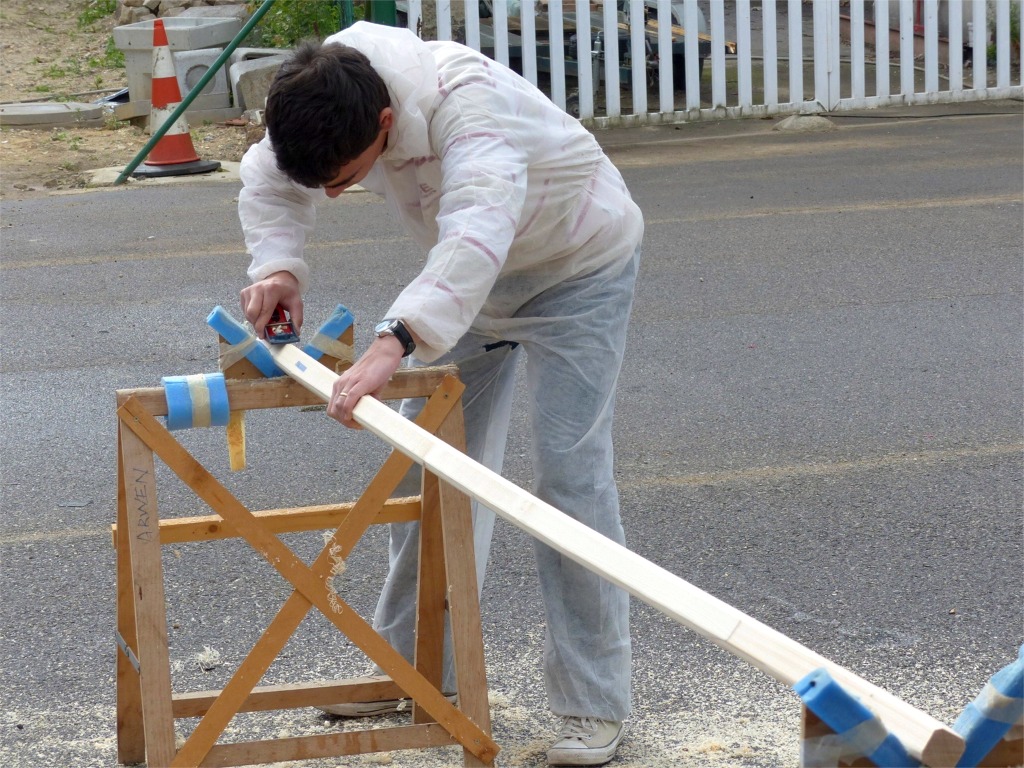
{"x":96,"y":10}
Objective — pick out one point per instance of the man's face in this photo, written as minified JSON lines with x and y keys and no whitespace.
{"x":356,"y":170}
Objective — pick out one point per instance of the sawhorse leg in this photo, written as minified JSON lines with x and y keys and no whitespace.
{"x":144,"y":692}
{"x":447,"y":525}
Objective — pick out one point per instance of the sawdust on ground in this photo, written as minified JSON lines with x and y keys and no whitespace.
{"x":48,"y":56}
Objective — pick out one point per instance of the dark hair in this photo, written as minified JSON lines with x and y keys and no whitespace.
{"x":323,"y":110}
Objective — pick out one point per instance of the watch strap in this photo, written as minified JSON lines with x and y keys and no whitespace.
{"x":397,"y":329}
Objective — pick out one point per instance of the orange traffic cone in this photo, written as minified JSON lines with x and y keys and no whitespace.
{"x":174,"y":154}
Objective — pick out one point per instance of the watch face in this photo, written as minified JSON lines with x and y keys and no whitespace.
{"x":384,"y":326}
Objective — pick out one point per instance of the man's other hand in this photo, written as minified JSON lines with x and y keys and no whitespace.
{"x":261,"y":298}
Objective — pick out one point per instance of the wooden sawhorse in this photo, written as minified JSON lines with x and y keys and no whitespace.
{"x":146,"y":704}
{"x":1007,"y":753}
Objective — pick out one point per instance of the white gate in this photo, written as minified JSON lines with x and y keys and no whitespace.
{"x":739,"y":58}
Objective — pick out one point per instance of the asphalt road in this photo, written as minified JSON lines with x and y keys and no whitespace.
{"x":819,"y":422}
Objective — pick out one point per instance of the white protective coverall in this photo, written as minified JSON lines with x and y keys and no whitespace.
{"x":531,"y":238}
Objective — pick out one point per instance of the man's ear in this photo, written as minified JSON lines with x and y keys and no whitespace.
{"x":387,"y":118}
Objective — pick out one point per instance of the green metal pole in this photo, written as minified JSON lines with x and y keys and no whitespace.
{"x":383,"y":12}
{"x":346,"y":14}
{"x":196,"y":90}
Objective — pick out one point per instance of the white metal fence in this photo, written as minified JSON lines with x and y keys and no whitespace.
{"x":748,"y":58}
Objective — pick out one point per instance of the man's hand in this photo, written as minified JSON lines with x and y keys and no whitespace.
{"x":367,"y":377}
{"x":260,"y":299}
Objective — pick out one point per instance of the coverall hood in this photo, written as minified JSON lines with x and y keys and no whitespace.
{"x":407,"y":66}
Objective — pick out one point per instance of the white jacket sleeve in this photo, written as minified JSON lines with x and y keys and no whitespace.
{"x":482,"y":196}
{"x":276,"y":215}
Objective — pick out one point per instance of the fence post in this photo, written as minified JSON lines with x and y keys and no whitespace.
{"x":826,"y":55}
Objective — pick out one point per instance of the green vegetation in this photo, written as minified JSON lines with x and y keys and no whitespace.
{"x":289,"y":21}
{"x":59,"y":134}
{"x":113,"y":57}
{"x":990,"y":49}
{"x":92,"y":12}
{"x":96,"y":10}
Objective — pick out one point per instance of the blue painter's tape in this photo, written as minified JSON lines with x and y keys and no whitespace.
{"x":851,"y":720}
{"x":339,"y":322}
{"x":196,"y":401}
{"x":220,"y":410}
{"x":236,"y":333}
{"x":988,"y":718}
{"x":179,"y":402}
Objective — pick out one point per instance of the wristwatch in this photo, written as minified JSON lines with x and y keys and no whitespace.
{"x":396,"y":328}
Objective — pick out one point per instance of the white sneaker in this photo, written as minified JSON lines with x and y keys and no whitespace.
{"x":374,"y":708}
{"x":585,"y":741}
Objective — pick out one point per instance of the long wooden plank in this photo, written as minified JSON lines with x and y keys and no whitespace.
{"x":776,"y":654}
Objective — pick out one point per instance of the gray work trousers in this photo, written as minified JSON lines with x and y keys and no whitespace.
{"x":573,"y":335}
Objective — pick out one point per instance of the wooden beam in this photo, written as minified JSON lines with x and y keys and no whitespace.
{"x":813,"y":728}
{"x":178,"y":530}
{"x":131,"y":741}
{"x":783,"y":658}
{"x":252,"y":395}
{"x":329,"y":745}
{"x":294,"y":695}
{"x":432,"y":592}
{"x":139,"y":478}
{"x":463,"y":591}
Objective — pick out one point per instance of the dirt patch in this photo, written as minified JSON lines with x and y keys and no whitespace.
{"x":50,"y":56}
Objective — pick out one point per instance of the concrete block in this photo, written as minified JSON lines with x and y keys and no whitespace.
{"x":49,"y":114}
{"x":806,"y":124}
{"x":191,"y":66}
{"x":229,"y":10}
{"x":183,"y":34}
{"x":240,"y":55}
{"x":250,"y":81}
{"x":245,"y":54}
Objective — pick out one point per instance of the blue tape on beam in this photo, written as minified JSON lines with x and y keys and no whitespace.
{"x":236,"y":333}
{"x":851,"y":720}
{"x":196,"y":401}
{"x":220,"y":409}
{"x":339,"y":322}
{"x":179,"y":402}
{"x":988,"y":718}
